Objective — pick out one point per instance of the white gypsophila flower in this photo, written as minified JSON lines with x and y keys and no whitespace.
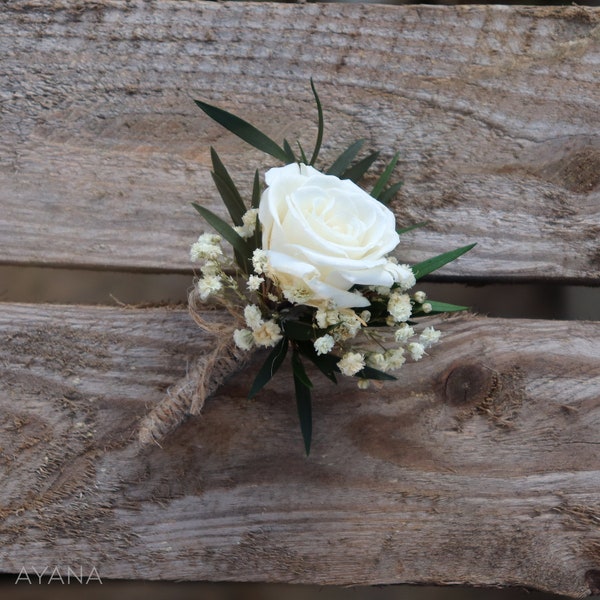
{"x":403,"y":333}
{"x":253,"y":316}
{"x":420,"y":297}
{"x":326,"y":318}
{"x":365,"y":315}
{"x":402,"y":274}
{"x":254,"y":282}
{"x":426,"y":308}
{"x":207,"y":247}
{"x":211,"y":268}
{"x":272,"y":297}
{"x":364,"y":384}
{"x":348,"y":326}
{"x":429,"y":336}
{"x":377,"y":360}
{"x":351,"y":363}
{"x":416,"y":350}
{"x":324,"y":344}
{"x":243,"y":339}
{"x":395,"y":358}
{"x":209,"y":285}
{"x":298,"y":294}
{"x":325,"y":233}
{"x":248,"y":227}
{"x":267,"y":334}
{"x":259,"y":261}
{"x":399,"y":306}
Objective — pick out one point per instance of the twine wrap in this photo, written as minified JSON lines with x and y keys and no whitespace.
{"x":206,"y":375}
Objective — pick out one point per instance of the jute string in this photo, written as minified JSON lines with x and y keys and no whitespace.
{"x":204,"y":377}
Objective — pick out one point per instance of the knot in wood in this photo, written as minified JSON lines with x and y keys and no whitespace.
{"x":592,"y":579}
{"x":467,"y":384}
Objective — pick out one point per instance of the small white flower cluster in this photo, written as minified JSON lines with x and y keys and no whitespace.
{"x":339,"y":326}
{"x":345,"y":324}
{"x":260,"y":333}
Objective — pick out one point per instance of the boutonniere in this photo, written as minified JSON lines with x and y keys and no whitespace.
{"x":311,"y":275}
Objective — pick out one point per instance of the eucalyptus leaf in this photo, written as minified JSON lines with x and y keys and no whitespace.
{"x":345,"y":158}
{"x":356,"y":171}
{"x":270,"y":367}
{"x":302,"y":386}
{"x":244,"y":130}
{"x":434,"y":263}
{"x":298,"y":330}
{"x":320,"y":124}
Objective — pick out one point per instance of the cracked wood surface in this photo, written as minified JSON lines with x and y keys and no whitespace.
{"x":494,"y":110}
{"x":478,"y":466}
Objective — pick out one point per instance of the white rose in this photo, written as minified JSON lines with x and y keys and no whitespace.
{"x":325,"y":234}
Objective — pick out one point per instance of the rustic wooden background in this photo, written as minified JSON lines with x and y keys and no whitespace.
{"x":478,"y":467}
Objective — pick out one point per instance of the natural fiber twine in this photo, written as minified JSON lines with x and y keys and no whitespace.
{"x":206,"y":375}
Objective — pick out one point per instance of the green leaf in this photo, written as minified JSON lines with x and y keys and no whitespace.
{"x":320,"y":125}
{"x":434,"y":263}
{"x":326,"y":363}
{"x":302,"y":386}
{"x":297,"y":330}
{"x":256,"y":190}
{"x":441,"y":307}
{"x":387,"y":195}
{"x":302,"y":154}
{"x":229,"y":193}
{"x":371,"y":373}
{"x":385,"y":177}
{"x":411,"y":227}
{"x":345,"y":158}
{"x":228,"y":233}
{"x":291,"y":157}
{"x":356,"y":171}
{"x":270,"y":367}
{"x":243,"y":130}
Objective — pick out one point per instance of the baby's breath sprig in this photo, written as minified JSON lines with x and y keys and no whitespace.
{"x":311,"y":272}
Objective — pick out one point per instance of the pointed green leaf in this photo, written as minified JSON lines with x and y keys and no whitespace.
{"x":387,"y":195}
{"x":326,"y":363}
{"x":270,"y":367}
{"x":227,"y":189}
{"x":440,"y":307}
{"x":243,"y":130}
{"x":298,"y":330}
{"x":345,"y":158}
{"x":303,"y":158}
{"x":411,"y":227}
{"x":371,"y":373}
{"x":320,"y":124}
{"x":356,"y":171}
{"x":256,"y":190}
{"x":228,"y":233}
{"x":289,"y":153}
{"x":434,"y":263}
{"x":302,"y":386}
{"x":385,"y":177}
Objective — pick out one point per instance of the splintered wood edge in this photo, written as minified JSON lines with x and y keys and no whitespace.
{"x":104,"y":149}
{"x":478,"y":466}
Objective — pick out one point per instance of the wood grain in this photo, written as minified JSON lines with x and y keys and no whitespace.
{"x":495,"y":112}
{"x":478,"y":466}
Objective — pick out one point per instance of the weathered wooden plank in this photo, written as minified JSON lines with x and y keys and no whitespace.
{"x":479,"y":465}
{"x":495,"y":111}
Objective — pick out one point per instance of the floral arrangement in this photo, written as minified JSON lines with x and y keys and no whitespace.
{"x":311,"y":271}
